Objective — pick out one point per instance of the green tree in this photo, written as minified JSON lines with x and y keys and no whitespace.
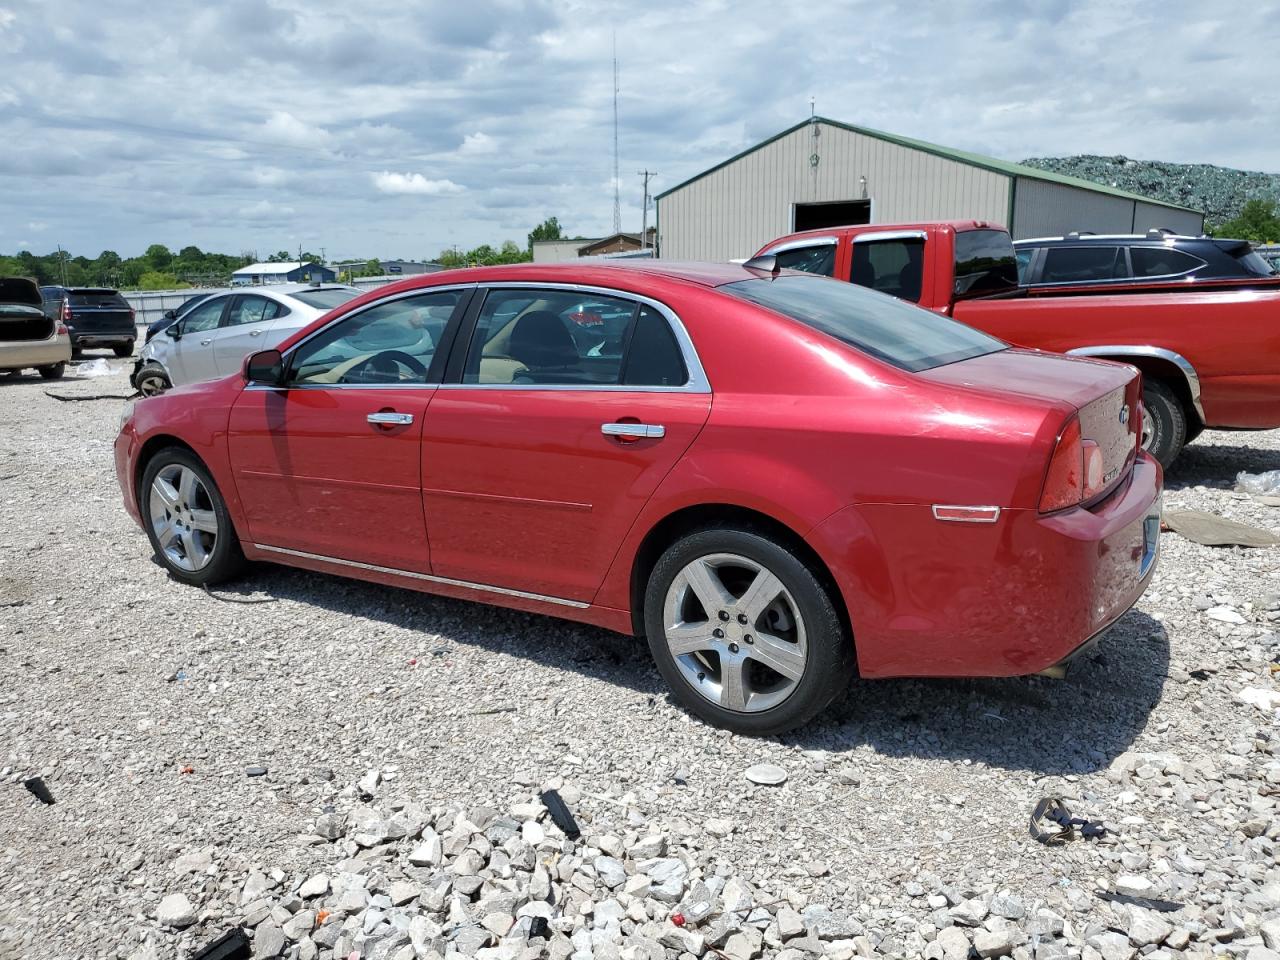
{"x":548,"y":229}
{"x":372,"y":268}
{"x":280,"y":256}
{"x":1257,"y":222}
{"x":158,"y":256}
{"x":156,"y":280}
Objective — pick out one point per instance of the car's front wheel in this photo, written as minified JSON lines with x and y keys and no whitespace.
{"x":123,"y":349}
{"x":187,"y":520}
{"x":744,"y":632}
{"x":151,"y":380}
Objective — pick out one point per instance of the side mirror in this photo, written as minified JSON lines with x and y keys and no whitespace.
{"x":265,"y":367}
{"x":173,"y":331}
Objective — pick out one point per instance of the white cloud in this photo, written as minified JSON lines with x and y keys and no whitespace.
{"x":264,"y":210}
{"x":475,"y":144}
{"x":37,"y":226}
{"x":416,"y":183}
{"x":283,"y":127}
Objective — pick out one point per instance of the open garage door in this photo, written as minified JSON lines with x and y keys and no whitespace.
{"x":837,"y":213}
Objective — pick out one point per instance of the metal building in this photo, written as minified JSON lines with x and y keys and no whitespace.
{"x":822,"y":173}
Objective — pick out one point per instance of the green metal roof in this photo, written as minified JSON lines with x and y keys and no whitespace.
{"x":960,"y":156}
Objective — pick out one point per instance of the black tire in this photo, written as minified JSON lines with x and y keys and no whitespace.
{"x":830,"y":662}
{"x":151,"y":373}
{"x":123,"y":349}
{"x":1168,"y":422}
{"x":53,"y":371}
{"x":76,"y":349}
{"x":226,"y":560}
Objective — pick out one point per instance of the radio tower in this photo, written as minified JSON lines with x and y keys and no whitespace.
{"x":617,"y":202}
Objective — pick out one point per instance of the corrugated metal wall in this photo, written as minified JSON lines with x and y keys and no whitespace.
{"x":738,"y":208}
{"x":1148,"y":215}
{"x":1043,"y":209}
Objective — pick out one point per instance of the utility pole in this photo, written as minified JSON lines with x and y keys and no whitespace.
{"x":617,"y":202}
{"x":644,"y":207}
{"x":62,"y":262}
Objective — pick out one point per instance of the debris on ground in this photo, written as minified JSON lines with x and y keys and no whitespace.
{"x":766,"y":774}
{"x":1052,"y":823}
{"x":41,"y":792}
{"x":1259,"y":484}
{"x":1214,"y":531}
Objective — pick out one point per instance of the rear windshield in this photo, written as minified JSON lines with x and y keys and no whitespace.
{"x":325,"y":299}
{"x":96,"y":298}
{"x":885,"y":327}
{"x":985,"y":263}
{"x":1253,"y":262}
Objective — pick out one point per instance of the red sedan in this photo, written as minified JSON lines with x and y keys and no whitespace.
{"x":777,"y":478}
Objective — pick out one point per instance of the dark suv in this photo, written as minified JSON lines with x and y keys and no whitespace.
{"x":96,"y":317}
{"x":1156,"y":257}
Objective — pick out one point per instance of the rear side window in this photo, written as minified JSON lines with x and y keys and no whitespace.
{"x":819,"y":259}
{"x":1083,"y":264}
{"x":985,"y":263}
{"x":1162,"y":262}
{"x":1253,"y":262}
{"x":653,"y":357}
{"x":325,"y":299}
{"x":1024,"y":263}
{"x":886,"y":328}
{"x":895,"y":267}
{"x":97,"y":298}
{"x":251,"y":310}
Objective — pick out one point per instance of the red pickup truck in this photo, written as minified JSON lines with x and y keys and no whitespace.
{"x":1209,"y":357}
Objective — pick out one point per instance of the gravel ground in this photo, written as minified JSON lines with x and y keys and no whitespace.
{"x":386,"y":718}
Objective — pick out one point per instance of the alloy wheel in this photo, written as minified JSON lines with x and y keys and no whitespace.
{"x":152,"y":384}
{"x":735,"y":632}
{"x":182,"y":517}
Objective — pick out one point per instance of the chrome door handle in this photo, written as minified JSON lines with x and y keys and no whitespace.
{"x":254,"y":333}
{"x":393,"y":419}
{"x":651,"y":431}
{"x":205,"y":343}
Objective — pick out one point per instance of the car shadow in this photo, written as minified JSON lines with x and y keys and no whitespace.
{"x":1216,"y":464}
{"x":1025,"y":723}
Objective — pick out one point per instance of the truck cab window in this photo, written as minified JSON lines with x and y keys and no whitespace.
{"x":895,"y":267}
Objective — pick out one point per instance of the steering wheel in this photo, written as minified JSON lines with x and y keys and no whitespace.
{"x":383,"y":367}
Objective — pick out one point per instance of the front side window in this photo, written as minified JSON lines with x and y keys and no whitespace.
{"x":819,"y":259}
{"x":889,"y":329}
{"x":204,"y":317}
{"x":251,"y":310}
{"x":895,"y":267}
{"x":390,"y":344}
{"x":1082,"y":264}
{"x":1162,"y":262}
{"x":561,"y":338}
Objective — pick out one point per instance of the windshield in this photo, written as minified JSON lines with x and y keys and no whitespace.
{"x":1255,"y":263}
{"x":326,"y":298}
{"x":907,"y":336}
{"x":985,"y":263}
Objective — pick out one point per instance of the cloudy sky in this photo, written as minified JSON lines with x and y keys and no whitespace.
{"x":400,"y":129}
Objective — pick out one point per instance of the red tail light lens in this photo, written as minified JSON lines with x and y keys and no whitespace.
{"x":1064,"y":484}
{"x":67,"y":316}
{"x":62,"y":330}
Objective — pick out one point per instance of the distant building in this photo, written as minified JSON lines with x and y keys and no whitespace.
{"x":409,"y":268}
{"x":823,"y":173}
{"x":555,"y":251}
{"x":295,"y":271}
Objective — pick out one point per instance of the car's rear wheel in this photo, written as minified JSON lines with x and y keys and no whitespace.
{"x":1164,"y":422}
{"x":152,"y":380}
{"x":187,"y":520}
{"x":53,"y":371}
{"x":123,"y":349}
{"x":744,"y":632}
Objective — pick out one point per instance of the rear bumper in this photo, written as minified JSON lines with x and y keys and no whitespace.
{"x":103,"y":338}
{"x":18,"y":354}
{"x":1014,"y":597}
{"x":126,"y":447}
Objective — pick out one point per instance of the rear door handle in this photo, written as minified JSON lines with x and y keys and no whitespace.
{"x":652,"y":431}
{"x":254,"y":333}
{"x":383,"y":418}
{"x":205,"y":343}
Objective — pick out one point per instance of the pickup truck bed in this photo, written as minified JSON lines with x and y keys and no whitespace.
{"x":1210,"y":356}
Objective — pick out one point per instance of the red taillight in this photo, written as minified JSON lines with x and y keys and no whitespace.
{"x":67,"y":315}
{"x":63,"y":331}
{"x":133,"y":314}
{"x":1064,"y":484}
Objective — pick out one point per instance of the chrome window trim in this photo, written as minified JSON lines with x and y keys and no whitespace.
{"x":1139,"y":350}
{"x":801,"y":244}
{"x":697,"y":382}
{"x":890,"y":235}
{"x":429,"y":578}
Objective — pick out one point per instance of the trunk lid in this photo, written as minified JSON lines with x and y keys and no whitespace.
{"x":1105,"y":395}
{"x":21,"y":315}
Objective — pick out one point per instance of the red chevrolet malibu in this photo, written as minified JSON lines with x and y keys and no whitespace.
{"x":777,"y":478}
